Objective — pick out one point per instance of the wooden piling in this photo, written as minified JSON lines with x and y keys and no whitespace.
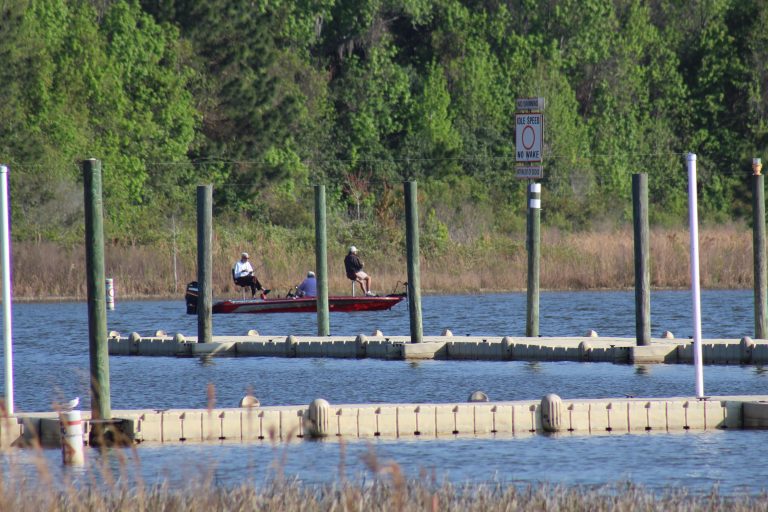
{"x":204,"y":263}
{"x":642,"y":259}
{"x":758,"y":249}
{"x":412,"y":251}
{"x":98,"y":348}
{"x":321,"y":263}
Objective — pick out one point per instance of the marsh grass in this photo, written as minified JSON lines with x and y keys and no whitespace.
{"x":570,"y":261}
{"x":383,"y":488}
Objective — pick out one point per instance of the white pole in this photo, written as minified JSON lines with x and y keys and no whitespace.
{"x":695,"y":289}
{"x":5,"y":245}
{"x":110,"y":284}
{"x":71,"y":424}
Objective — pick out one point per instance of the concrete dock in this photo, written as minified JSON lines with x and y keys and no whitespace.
{"x":492,"y":348}
{"x":550,"y":414}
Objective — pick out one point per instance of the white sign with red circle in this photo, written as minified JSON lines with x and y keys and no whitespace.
{"x":529,"y":130}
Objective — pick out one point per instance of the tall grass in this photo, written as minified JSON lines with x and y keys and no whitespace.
{"x":570,"y":261}
{"x":385,"y":488}
{"x":380,"y":496}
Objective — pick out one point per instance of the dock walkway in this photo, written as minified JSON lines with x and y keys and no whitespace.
{"x":491,"y":348}
{"x":428,"y":420}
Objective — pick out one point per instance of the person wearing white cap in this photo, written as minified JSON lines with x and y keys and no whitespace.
{"x":354,"y":268}
{"x":242,"y":273}
{"x":308,"y":287}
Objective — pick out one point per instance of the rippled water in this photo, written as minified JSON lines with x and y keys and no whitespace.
{"x":51,"y":363}
{"x":658,"y":462}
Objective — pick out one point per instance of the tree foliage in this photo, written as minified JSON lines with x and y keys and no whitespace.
{"x":265,"y":98}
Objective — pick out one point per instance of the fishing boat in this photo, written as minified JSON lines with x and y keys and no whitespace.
{"x":343,"y":304}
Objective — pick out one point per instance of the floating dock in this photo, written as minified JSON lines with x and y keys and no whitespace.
{"x":434,"y":420}
{"x":476,"y":417}
{"x":490,"y":348}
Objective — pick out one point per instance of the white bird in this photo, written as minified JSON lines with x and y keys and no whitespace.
{"x":73,"y":403}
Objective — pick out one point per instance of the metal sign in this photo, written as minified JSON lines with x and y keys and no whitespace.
{"x":529,"y":104}
{"x":529,"y":134}
{"x":529,"y":130}
{"x":529,"y":172}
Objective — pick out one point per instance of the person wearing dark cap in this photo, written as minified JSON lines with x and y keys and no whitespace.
{"x":242,"y":273}
{"x":354,"y":269}
{"x":308,"y":287}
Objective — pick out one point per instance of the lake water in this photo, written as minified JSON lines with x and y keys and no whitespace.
{"x":51,"y":364}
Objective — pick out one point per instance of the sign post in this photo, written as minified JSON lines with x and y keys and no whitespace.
{"x":529,"y":135}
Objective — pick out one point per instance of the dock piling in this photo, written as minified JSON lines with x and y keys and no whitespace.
{"x":758,"y":249}
{"x":412,"y":250}
{"x":642,"y":259}
{"x":72,"y":452}
{"x":533,"y":245}
{"x":321,"y":264}
{"x":204,"y":263}
{"x":97,"y":311}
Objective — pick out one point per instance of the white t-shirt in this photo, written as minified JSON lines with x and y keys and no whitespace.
{"x":243,"y":268}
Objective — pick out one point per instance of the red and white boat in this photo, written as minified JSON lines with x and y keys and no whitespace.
{"x":344,"y":304}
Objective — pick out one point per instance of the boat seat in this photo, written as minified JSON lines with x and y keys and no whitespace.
{"x":242,"y":287}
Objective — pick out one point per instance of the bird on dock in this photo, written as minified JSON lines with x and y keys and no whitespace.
{"x":73,"y":403}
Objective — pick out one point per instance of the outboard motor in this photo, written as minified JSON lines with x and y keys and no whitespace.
{"x":191,"y":298}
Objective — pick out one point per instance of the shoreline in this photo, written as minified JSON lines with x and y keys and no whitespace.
{"x":569,"y":262}
{"x":168,"y":297}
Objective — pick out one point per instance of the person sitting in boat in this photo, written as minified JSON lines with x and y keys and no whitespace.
{"x":308,"y":287}
{"x":242,"y":273}
{"x":354,"y":268}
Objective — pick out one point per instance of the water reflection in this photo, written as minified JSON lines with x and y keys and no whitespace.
{"x":761,"y":370}
{"x":533,"y":366}
{"x":642,"y":369}
{"x":206,"y":360}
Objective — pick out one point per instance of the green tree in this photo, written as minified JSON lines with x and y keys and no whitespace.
{"x":432,"y":145}
{"x":148,"y":103}
{"x":108,"y":87}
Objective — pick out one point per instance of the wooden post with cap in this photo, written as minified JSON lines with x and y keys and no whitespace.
{"x":758,"y":249}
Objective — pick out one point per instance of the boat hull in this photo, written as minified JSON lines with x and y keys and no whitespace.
{"x":308,"y":305}
{"x":341,"y":304}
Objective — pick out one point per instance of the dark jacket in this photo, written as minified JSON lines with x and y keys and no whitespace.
{"x":352,"y":265}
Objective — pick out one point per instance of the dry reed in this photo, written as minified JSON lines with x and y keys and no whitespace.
{"x":386,"y":490}
{"x":570,"y":261}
